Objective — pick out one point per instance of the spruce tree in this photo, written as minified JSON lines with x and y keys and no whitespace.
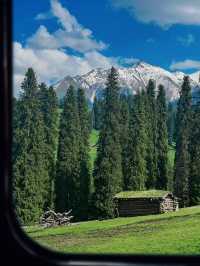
{"x":182,"y":157}
{"x":162,"y":140}
{"x":108,"y":169}
{"x":194,"y":149}
{"x":49,"y":108}
{"x":151,"y":135}
{"x":15,"y":125}
{"x":67,"y":183}
{"x":29,"y":162}
{"x":136,"y":168}
{"x":85,"y":173}
{"x":124,"y":132}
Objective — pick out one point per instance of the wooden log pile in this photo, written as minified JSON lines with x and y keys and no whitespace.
{"x":51,"y":219}
{"x":168,"y":204}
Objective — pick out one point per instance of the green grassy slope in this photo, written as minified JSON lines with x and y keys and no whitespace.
{"x":171,"y":233}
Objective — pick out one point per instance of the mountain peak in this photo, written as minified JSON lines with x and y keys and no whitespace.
{"x":131,"y":79}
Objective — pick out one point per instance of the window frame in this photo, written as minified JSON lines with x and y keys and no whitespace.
{"x":25,"y":250}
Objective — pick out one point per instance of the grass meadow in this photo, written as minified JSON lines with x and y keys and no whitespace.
{"x":170,"y":234}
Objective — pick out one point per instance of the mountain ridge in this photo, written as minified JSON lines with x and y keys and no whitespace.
{"x":131,"y":79}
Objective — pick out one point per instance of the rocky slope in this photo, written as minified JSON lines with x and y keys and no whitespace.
{"x":130,"y":79}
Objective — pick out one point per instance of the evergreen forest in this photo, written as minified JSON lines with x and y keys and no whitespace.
{"x":143,"y":142}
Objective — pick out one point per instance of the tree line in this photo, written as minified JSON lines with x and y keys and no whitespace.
{"x":51,"y":162}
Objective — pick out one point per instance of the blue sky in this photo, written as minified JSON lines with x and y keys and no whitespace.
{"x":61,"y":37}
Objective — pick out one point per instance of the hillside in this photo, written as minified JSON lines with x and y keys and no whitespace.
{"x":171,"y":233}
{"x":130,"y":80}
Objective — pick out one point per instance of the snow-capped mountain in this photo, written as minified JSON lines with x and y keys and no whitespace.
{"x":130,"y":79}
{"x":196,"y":76}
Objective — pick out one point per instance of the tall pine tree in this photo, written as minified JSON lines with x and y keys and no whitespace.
{"x":85,"y":172}
{"x":182,"y":157}
{"x":67,"y":183}
{"x":136,"y":168}
{"x":49,"y":108}
{"x":108,"y":169}
{"x":162,"y":140}
{"x":124,"y":131}
{"x":194,"y":176}
{"x":29,"y":162}
{"x":151,"y":135}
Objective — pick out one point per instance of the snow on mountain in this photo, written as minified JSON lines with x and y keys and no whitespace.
{"x":196,"y":76}
{"x":131,"y":79}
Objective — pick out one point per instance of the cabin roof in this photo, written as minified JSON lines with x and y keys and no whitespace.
{"x":142,"y":194}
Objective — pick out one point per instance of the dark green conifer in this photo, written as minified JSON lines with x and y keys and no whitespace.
{"x":108,"y":169}
{"x":136,"y":168}
{"x":162,"y":140}
{"x":29,"y":162}
{"x":151,"y":135}
{"x":124,"y":132}
{"x":194,"y":176}
{"x":15,"y":126}
{"x":49,"y":108}
{"x":85,"y":172}
{"x":67,"y":185}
{"x":182,"y":158}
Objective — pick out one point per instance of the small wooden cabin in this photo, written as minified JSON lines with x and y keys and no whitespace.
{"x":133,"y":203}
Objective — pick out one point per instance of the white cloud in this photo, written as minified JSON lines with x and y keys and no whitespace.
{"x":68,"y":21}
{"x":17,"y":81}
{"x":71,"y":34}
{"x":96,"y":59}
{"x":42,"y":39}
{"x":187,"y":40}
{"x":78,"y":42}
{"x":185,"y":65}
{"x":127,"y":61}
{"x":47,"y":53}
{"x":163,"y":13}
{"x":53,"y":64}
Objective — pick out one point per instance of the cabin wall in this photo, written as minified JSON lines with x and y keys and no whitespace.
{"x":133,"y":207}
{"x":143,"y":206}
